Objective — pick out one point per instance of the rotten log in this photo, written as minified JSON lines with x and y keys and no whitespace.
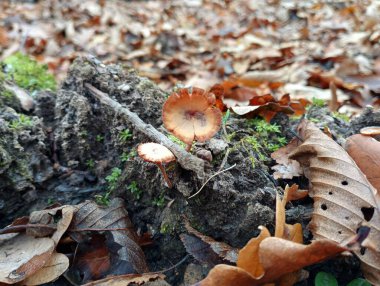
{"x":184,"y":158}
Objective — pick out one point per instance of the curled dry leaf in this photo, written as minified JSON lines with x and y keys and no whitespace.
{"x":278,"y":260}
{"x":286,"y":168}
{"x":277,"y":257}
{"x":55,"y":267}
{"x":59,"y":217}
{"x":343,"y":198}
{"x":191,"y":115}
{"x":366,"y":153}
{"x":35,"y":253}
{"x":267,"y":106}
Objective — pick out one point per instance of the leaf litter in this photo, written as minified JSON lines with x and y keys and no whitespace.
{"x":275,"y":57}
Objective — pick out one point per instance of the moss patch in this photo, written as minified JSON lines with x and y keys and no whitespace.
{"x":27,"y":73}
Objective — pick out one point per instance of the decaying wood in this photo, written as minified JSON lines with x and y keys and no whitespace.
{"x":185,"y":159}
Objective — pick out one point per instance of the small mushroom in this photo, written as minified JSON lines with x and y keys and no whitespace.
{"x":191,"y":116}
{"x":157,"y":154}
{"x":370,"y":131}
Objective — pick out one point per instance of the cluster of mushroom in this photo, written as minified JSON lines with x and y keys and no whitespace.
{"x":190,"y":116}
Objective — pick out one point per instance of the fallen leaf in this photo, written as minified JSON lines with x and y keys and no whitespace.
{"x":125,"y":280}
{"x":117,"y":250}
{"x":249,"y":255}
{"x":59,"y":217}
{"x":343,"y":198}
{"x":55,"y":267}
{"x":286,"y":168}
{"x":278,"y":257}
{"x":35,"y":253}
{"x":366,"y":153}
{"x":206,"y":249}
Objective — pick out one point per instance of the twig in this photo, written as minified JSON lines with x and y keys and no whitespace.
{"x":175,"y":265}
{"x":217,"y":173}
{"x":224,"y":161}
{"x":334,"y":105}
{"x":22,"y":227}
{"x":185,"y":159}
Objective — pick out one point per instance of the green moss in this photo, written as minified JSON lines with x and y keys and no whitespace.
{"x":318,"y":102}
{"x":134,"y":189}
{"x":22,"y":122}
{"x":341,"y":116}
{"x":166,"y":228}
{"x":28,"y":74}
{"x":176,"y":140}
{"x":126,"y":156}
{"x":7,"y":94}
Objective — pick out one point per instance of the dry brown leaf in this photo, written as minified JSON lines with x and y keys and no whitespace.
{"x":59,"y":217}
{"x":35,"y":253}
{"x":119,"y":244}
{"x":125,"y":280}
{"x":343,"y":198}
{"x":54,"y":268}
{"x":249,"y":255}
{"x":278,"y":257}
{"x":206,"y":249}
{"x":286,"y":168}
{"x":366,"y":153}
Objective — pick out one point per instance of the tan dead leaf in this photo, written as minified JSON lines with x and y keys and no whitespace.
{"x":226,"y":275}
{"x":255,"y":78}
{"x":60,"y":217}
{"x":125,"y":280}
{"x":249,"y":255}
{"x":286,"y":168}
{"x":366,"y":153}
{"x":293,"y":193}
{"x":343,"y":198}
{"x":55,"y":267}
{"x":15,"y":267}
{"x":278,"y":258}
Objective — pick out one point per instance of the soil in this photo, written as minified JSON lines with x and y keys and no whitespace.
{"x":72,"y":142}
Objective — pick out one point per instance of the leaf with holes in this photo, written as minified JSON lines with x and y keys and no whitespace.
{"x":344,"y":200}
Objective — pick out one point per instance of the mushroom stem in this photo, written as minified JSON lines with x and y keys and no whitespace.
{"x":167,"y":180}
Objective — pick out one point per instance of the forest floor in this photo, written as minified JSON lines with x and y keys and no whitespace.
{"x":276,"y":62}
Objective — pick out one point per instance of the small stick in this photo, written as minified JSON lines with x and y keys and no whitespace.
{"x":333,"y":106}
{"x":217,"y":173}
{"x":185,"y":159}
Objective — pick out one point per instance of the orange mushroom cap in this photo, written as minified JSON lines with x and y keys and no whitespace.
{"x":155,"y":153}
{"x":370,"y":130}
{"x":191,"y":116}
